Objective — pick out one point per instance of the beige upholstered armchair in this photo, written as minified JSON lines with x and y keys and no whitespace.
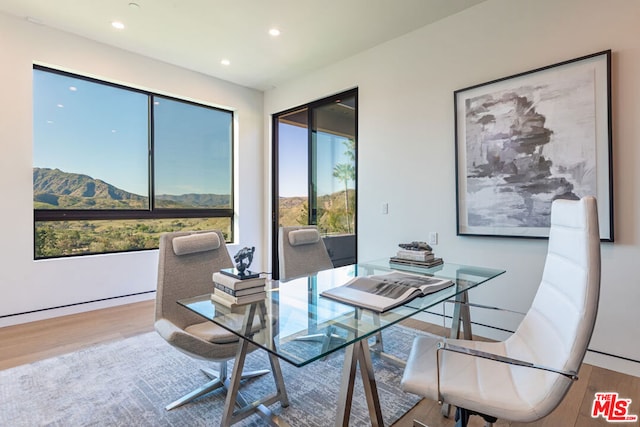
{"x":301,"y":252}
{"x":525,"y":377}
{"x":186,"y":264}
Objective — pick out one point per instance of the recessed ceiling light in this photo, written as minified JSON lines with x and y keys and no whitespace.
{"x":73,"y":88}
{"x":274,"y":32}
{"x":225,"y":62}
{"x":60,"y":106}
{"x":117,"y":25}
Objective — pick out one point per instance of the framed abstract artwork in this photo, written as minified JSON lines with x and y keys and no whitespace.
{"x":528,"y":139}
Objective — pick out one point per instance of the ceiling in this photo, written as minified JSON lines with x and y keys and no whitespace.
{"x":198,"y":34}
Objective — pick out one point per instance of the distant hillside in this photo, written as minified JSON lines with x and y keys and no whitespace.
{"x":199,"y":200}
{"x":331,"y":213}
{"x":55,"y":189}
{"x":293,"y":210}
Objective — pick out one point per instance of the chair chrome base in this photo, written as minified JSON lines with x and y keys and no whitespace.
{"x":319,"y":337}
{"x":219,"y":379}
{"x":326,"y":338}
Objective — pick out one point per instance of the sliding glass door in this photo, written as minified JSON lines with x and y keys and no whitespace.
{"x":315,"y":165}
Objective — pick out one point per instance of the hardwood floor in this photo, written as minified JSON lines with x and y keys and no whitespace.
{"x":34,"y":341}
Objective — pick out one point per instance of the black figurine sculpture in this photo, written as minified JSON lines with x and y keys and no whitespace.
{"x":243,"y":259}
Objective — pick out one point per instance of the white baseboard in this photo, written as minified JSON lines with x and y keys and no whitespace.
{"x":73,"y":309}
{"x":613,"y":363}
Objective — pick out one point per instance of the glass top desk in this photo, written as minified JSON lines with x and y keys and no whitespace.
{"x":294,"y":312}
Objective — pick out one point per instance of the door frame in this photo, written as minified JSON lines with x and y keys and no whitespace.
{"x":275,"y":184}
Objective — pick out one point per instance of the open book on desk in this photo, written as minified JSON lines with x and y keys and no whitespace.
{"x":385,"y":291}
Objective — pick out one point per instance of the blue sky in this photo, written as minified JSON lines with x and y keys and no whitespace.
{"x":101,"y":131}
{"x":294,"y":161}
{"x":292,"y":150}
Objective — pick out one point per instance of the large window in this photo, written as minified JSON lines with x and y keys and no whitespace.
{"x":114,"y":167}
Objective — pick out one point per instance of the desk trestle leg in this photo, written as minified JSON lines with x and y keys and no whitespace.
{"x":358,"y":353}
{"x":234,"y":398}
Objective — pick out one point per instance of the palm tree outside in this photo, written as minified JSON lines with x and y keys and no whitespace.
{"x":346,"y":172}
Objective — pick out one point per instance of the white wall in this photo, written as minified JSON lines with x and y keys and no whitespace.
{"x":27,"y":285}
{"x":406,"y":142}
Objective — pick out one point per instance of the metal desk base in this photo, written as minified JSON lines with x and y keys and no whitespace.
{"x":358,"y":354}
{"x":234,"y":398}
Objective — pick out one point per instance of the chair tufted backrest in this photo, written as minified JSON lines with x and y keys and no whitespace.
{"x":558,"y":327}
{"x":186,"y":263}
{"x":301,"y":251}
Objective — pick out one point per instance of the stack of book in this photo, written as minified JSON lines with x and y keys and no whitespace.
{"x":231,"y":292}
{"x":419,"y":257}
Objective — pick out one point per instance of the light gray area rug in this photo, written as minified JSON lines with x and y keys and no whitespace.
{"x":129,"y":382}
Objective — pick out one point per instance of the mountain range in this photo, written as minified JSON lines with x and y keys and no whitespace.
{"x":56,"y":189}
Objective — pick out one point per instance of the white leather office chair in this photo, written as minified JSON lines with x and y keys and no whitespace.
{"x":187,"y":261}
{"x":301,"y":252}
{"x":525,"y":377}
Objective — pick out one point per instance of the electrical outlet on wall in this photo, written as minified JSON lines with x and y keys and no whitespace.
{"x":433,"y":238}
